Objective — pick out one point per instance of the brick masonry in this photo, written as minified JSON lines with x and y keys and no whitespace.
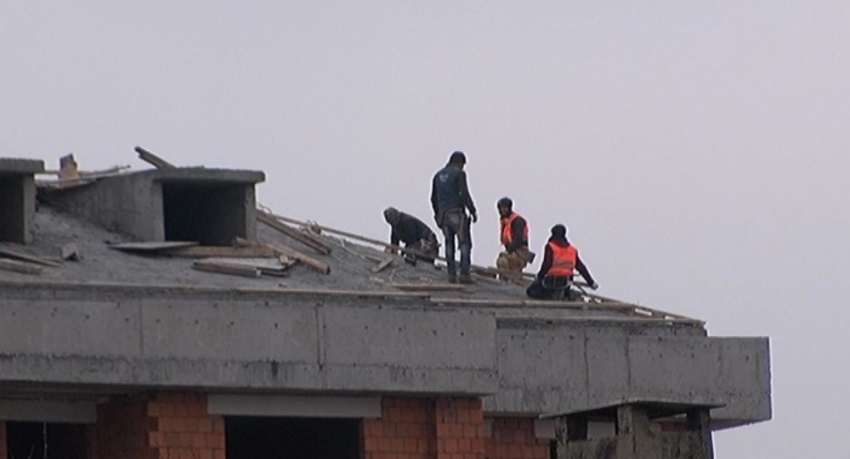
{"x":514,"y":438}
{"x":3,"y":446}
{"x":164,"y":425}
{"x":412,"y":428}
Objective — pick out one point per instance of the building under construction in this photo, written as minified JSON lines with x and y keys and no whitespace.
{"x":159,"y":314}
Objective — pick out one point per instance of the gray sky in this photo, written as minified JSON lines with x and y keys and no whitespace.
{"x":695,"y":149}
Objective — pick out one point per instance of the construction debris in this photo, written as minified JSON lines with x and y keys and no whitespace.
{"x":71,"y":252}
{"x":308,"y":239}
{"x":233,"y":269}
{"x":429,"y":287}
{"x":27,"y":258}
{"x":269,"y":266}
{"x":383,"y":265}
{"x":19,"y":266}
{"x":280,"y":249}
{"x":153,"y":159}
{"x":152,"y":246}
{"x":223,"y":251}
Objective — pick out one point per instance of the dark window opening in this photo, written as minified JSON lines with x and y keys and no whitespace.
{"x":12,"y":213}
{"x":291,"y":438}
{"x":27,"y":440}
{"x":209,"y":213}
{"x":553,"y":449}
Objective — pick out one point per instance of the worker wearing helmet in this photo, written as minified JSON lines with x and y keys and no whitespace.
{"x":514,"y":238}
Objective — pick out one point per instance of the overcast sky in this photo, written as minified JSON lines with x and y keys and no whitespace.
{"x":697,"y":150}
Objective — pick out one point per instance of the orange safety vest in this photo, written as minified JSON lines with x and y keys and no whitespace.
{"x":507,"y":234}
{"x":563,"y":260}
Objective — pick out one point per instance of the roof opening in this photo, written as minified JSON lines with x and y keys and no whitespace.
{"x":212,"y":213}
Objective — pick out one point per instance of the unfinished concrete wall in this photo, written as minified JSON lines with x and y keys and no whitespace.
{"x":560,"y":367}
{"x":17,"y":199}
{"x":210,"y":206}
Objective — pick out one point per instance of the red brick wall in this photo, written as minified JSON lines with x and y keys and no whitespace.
{"x":513,"y":438}
{"x":404,"y":431}
{"x":460,"y":428}
{"x":160,"y":426}
{"x":412,"y":428}
{"x":3,"y":440}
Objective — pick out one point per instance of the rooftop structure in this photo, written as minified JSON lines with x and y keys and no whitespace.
{"x":161,"y":314}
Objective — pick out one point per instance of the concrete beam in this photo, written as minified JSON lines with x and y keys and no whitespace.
{"x":294,"y":406}
{"x":82,"y":412}
{"x":17,"y":166}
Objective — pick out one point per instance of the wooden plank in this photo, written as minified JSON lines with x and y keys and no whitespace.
{"x":474,"y":268}
{"x":280,"y":249}
{"x":228,"y":252}
{"x":71,"y":252}
{"x":19,"y":266}
{"x":152,"y":246}
{"x":383,"y":265}
{"x":153,"y":159}
{"x":28,"y":258}
{"x":226,"y":268}
{"x":308,"y":239}
{"x":429,"y":287}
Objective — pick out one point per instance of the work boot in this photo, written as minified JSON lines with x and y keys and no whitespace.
{"x":466,"y":279}
{"x":452,"y":278}
{"x":410,"y":259}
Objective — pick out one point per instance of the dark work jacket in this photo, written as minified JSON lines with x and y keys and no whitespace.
{"x":409,"y":230}
{"x":547,"y":261}
{"x":449,"y":190}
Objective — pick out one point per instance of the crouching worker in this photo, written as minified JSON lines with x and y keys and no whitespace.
{"x":415,"y":235}
{"x":556,"y":273}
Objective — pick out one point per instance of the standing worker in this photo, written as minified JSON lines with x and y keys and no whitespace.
{"x":415,"y":235}
{"x":450,"y":200}
{"x":514,"y":237}
{"x":559,"y":261}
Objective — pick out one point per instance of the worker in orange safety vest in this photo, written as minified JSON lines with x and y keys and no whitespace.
{"x":514,"y":238}
{"x":560,"y":260}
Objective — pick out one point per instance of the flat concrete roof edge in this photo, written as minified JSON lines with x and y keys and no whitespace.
{"x":21,"y":166}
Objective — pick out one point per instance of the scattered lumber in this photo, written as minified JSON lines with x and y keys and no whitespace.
{"x":226,"y":268}
{"x":484,"y":271}
{"x":308,"y":239}
{"x":27,"y":258}
{"x":19,"y":266}
{"x":267,"y":266}
{"x":282,"y":250}
{"x":153,"y":159}
{"x":383,"y":265}
{"x":152,"y":246}
{"x":223,"y":251}
{"x":71,"y":252}
{"x":429,"y":287}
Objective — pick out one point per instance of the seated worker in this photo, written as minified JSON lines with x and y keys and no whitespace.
{"x":514,"y":237}
{"x":558,"y":263}
{"x":415,"y":235}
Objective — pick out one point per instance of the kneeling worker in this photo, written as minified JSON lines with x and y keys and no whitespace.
{"x":559,"y":261}
{"x":514,"y":237}
{"x":414,"y":233}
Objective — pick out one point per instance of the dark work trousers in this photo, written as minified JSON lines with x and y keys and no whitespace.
{"x":456,"y":226}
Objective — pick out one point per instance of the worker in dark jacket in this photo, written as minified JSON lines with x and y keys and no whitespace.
{"x":514,"y":238}
{"x":560,"y":260}
{"x":450,"y":200}
{"x":415,"y":235}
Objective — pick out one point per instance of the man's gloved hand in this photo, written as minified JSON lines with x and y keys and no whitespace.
{"x":439,"y":221}
{"x":594,"y":286}
{"x":475,"y":218}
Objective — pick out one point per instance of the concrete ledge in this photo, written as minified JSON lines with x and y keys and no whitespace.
{"x":294,"y":406}
{"x":21,"y":166}
{"x":48,"y":411}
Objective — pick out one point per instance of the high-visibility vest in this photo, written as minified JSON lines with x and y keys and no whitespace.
{"x":563,"y":260}
{"x":507,"y":234}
